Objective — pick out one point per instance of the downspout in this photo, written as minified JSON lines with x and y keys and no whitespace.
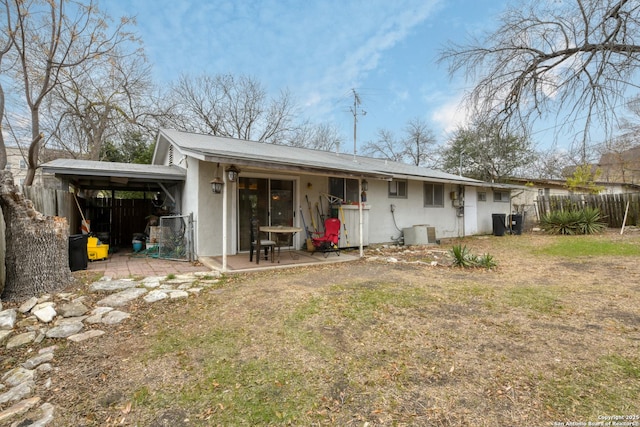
{"x":464,"y":218}
{"x":224,"y":222}
{"x":360,"y":216}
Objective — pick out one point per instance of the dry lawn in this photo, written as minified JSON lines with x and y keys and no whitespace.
{"x":547,"y":337}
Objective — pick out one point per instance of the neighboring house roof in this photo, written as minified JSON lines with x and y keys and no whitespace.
{"x":272,"y":156}
{"x":622,"y":166}
{"x":97,"y":175}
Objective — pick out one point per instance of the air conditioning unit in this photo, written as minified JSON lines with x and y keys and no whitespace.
{"x":419,"y":235}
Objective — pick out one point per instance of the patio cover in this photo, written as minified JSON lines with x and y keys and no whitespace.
{"x":96,"y":175}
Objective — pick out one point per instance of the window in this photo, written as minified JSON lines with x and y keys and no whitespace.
{"x":501,"y":196}
{"x":398,"y":188}
{"x":8,"y":166}
{"x":482,"y":196}
{"x":346,"y":189}
{"x":433,"y":195}
{"x":23,"y":164}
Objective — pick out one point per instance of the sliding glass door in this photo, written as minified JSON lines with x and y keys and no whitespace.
{"x":269,"y":200}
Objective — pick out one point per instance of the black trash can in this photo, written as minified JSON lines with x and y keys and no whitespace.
{"x":78,"y":257}
{"x":516,"y":223}
{"x":499,"y":224}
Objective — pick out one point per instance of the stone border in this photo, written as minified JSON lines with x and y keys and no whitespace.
{"x":66,"y":315}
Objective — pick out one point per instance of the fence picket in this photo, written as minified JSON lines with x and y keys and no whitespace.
{"x":611,"y":206}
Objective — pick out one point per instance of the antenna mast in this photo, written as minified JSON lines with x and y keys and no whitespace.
{"x":354,"y":111}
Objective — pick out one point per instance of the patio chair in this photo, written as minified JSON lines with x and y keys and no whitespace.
{"x":329,"y":241}
{"x":257,"y":243}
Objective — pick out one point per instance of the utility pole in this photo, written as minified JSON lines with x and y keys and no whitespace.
{"x":354,"y":111}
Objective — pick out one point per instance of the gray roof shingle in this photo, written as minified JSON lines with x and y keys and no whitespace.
{"x":208,"y":147}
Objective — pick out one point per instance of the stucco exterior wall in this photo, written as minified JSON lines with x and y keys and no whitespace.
{"x":206,"y":207}
{"x":383,"y":225}
{"x":486,"y":208}
{"x":408,"y":212}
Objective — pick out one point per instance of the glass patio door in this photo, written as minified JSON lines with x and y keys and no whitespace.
{"x":269,"y":200}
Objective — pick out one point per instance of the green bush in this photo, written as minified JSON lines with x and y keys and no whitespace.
{"x":585,"y":221}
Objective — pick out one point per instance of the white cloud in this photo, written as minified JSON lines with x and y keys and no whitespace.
{"x":358,"y":44}
{"x":450,"y":115}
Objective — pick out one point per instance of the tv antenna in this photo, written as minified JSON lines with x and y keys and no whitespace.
{"x":355,"y":112}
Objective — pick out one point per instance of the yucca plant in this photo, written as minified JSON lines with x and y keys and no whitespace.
{"x":561,"y":222}
{"x":487,"y":261}
{"x":462,"y":256}
{"x":585,"y":221}
{"x":590,"y":221}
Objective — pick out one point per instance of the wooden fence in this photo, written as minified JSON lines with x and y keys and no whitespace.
{"x":53,"y":202}
{"x":611,"y":206}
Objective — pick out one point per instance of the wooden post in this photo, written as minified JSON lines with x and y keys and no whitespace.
{"x":624,"y":221}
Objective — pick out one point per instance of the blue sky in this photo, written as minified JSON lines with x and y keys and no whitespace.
{"x":320,"y":51}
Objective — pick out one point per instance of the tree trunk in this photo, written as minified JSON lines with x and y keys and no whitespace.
{"x":37,"y":259}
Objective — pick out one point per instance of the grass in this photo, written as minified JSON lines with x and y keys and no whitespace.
{"x":610,"y":387}
{"x":580,"y":247}
{"x":356,"y":328}
{"x":534,"y":298}
{"x":537,"y":341}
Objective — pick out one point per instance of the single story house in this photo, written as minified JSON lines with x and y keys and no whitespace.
{"x":377,"y":200}
{"x":283,"y":185}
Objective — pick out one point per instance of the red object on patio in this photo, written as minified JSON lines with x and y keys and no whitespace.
{"x":329,"y":241}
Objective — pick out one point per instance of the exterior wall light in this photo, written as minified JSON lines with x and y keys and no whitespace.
{"x":232,"y":173}
{"x":217,"y":183}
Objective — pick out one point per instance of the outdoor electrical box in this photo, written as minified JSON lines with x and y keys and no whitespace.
{"x":453,"y":195}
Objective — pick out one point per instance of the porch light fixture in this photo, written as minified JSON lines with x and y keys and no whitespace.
{"x":217,"y":183}
{"x":365,"y":186}
{"x":232,"y":173}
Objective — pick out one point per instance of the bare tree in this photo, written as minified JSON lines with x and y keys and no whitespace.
{"x":236,"y":107}
{"x":574,"y":59}
{"x":385,"y":147}
{"x":99,"y":102}
{"x":322,"y":136}
{"x":53,"y":37}
{"x":550,"y":163}
{"x":419,"y":143}
{"x":49,"y":39}
{"x":417,"y":146}
{"x":5,"y":45}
